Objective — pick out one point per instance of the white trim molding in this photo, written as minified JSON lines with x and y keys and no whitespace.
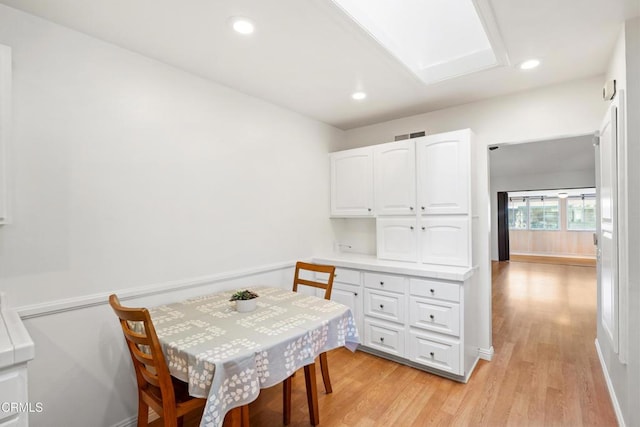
{"x":85,"y":301}
{"x":486,"y":353}
{"x":5,"y":130}
{"x":612,"y":392}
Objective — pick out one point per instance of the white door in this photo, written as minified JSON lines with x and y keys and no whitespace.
{"x":443,"y":164}
{"x":352,"y":183}
{"x":606,"y":155}
{"x":397,"y":239}
{"x":395,"y":178}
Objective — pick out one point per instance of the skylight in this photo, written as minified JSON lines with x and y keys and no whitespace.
{"x":436,"y":39}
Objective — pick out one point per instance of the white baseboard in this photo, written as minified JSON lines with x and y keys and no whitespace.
{"x":486,"y":353}
{"x":129,"y":422}
{"x":612,"y":392}
{"x":86,"y":301}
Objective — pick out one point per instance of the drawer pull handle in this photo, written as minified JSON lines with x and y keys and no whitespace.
{"x":432,"y":291}
{"x":355,"y":294}
{"x":381,"y":283}
{"x":411,"y":227}
{"x":432,"y":354}
{"x":431,"y":316}
{"x":422,"y":207}
{"x":381,"y":306}
{"x":424,"y":228}
{"x":381,"y":339}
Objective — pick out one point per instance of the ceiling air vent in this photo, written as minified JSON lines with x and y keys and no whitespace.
{"x":409,"y":135}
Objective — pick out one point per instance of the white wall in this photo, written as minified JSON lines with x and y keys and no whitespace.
{"x":573,"y":108}
{"x":128,"y":174}
{"x":568,"y":179}
{"x":623,"y":378}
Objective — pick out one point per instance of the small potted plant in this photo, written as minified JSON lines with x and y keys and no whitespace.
{"x":245,"y":300}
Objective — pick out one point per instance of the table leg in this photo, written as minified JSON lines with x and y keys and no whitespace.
{"x":286,"y":401}
{"x":312,"y":393}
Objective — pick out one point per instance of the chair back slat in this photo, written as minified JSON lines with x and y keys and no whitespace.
{"x":314,"y":268}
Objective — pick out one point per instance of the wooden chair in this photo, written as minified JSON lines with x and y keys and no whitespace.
{"x":309,"y":370}
{"x":166,"y":395}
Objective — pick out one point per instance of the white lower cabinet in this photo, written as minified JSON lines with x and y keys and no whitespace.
{"x":408,"y":317}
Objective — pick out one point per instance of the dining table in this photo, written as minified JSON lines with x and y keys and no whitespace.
{"x":228,"y":356}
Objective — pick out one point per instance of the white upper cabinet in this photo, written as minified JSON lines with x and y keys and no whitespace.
{"x":445,"y":240}
{"x":443,"y":167}
{"x":395,"y":178}
{"x":397,"y":239}
{"x":352,"y":183}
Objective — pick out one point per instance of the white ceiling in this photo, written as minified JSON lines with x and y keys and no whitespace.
{"x":309,"y":57}
{"x":543,"y":157}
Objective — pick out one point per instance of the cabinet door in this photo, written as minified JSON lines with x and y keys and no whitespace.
{"x":443,"y":173}
{"x":352,"y":182}
{"x":351,"y":296}
{"x":395,"y":178}
{"x":397,"y":239}
{"x":445,"y":241}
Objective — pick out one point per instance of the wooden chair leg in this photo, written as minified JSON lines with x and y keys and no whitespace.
{"x":324,"y":367}
{"x":286,"y":401}
{"x":233,"y":418}
{"x":312,"y":393}
{"x":143,"y":413}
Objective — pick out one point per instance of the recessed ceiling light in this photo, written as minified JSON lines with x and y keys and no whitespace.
{"x":528,"y":65}
{"x":358,"y":96}
{"x":242,"y":25}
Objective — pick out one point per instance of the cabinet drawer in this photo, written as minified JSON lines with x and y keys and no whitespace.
{"x":384,"y":305}
{"x":435,"y":289}
{"x":436,"y":352}
{"x":435,"y":315}
{"x":344,"y":275}
{"x":385,"y":282}
{"x":384,"y":337}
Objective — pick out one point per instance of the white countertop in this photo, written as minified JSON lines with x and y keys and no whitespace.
{"x":370,"y":262}
{"x":16,"y":346}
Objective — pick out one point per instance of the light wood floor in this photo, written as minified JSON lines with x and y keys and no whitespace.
{"x":545,"y":371}
{"x":540,"y":259}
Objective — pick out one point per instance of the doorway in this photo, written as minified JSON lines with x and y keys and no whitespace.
{"x":549,"y":182}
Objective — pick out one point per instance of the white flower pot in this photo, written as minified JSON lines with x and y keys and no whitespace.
{"x":244,"y":306}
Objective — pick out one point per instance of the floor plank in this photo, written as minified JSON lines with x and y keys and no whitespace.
{"x":545,"y":370}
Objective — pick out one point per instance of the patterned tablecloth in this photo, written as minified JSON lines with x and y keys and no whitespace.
{"x":227,"y":356}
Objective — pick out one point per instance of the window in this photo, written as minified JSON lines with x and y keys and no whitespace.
{"x":544,"y":214}
{"x":581,"y":213}
{"x":518,"y":217}
{"x":537,"y":213}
